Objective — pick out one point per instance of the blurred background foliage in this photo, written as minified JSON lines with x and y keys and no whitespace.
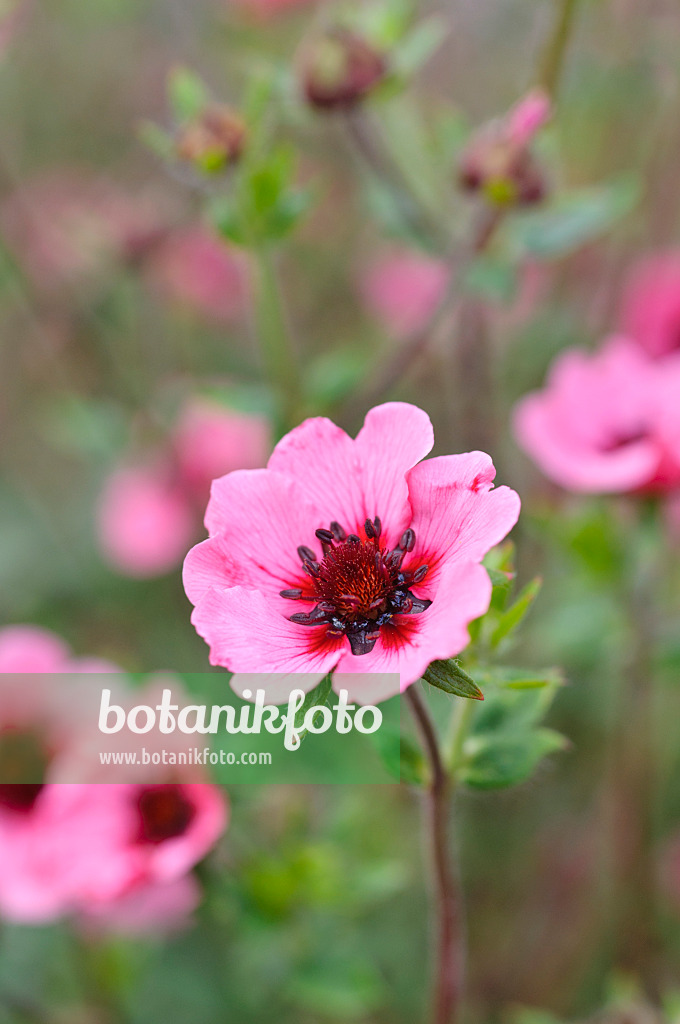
{"x":315,"y":909}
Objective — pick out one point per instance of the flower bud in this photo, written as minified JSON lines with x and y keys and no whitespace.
{"x":499,"y":161}
{"x":212,"y":141}
{"x":339,"y":69}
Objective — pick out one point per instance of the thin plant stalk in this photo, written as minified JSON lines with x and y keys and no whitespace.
{"x":449,"y":975}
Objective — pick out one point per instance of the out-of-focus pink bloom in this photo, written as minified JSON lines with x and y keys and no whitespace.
{"x":404,"y":290}
{"x":650,"y":312}
{"x":160,"y":907}
{"x":199,"y":270}
{"x":527,"y":117}
{"x":211,"y":440}
{"x":270,"y":8}
{"x":348,"y":554}
{"x":149,"y":514}
{"x":117,"y":854}
{"x":145,"y":522}
{"x":605,"y":422}
{"x":69,"y":227}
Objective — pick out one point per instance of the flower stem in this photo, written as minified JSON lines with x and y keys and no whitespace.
{"x":555,"y":51}
{"x":450,"y":966}
{"x":275,"y":341}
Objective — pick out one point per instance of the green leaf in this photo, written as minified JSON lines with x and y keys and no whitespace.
{"x":418,"y":45}
{"x":226,"y":217}
{"x":412,"y":765}
{"x":320,"y":696}
{"x":187,"y":94}
{"x":576,"y":220}
{"x":494,"y":762}
{"x":502,"y":585}
{"x":518,"y":678}
{"x":156,"y":139}
{"x":452,"y":678}
{"x":511,"y":619}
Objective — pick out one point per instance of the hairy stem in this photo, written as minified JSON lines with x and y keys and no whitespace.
{"x":275,"y":341}
{"x":450,"y":960}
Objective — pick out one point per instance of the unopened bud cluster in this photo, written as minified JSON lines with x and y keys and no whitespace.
{"x":339,"y":69}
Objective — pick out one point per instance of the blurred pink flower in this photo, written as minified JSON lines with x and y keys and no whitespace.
{"x":69,"y":227}
{"x":607,"y":421}
{"x":145,"y":522}
{"x":117,"y":854}
{"x":650,"y":311}
{"x":269,"y":8}
{"x":378,"y":552}
{"x":527,"y":117}
{"x":197,"y":269}
{"x":211,"y":440}
{"x":404,"y":290}
{"x":148,"y":515}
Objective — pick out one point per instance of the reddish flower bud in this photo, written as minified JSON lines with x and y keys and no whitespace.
{"x":339,"y":69}
{"x":212,"y":141}
{"x":499,"y":161}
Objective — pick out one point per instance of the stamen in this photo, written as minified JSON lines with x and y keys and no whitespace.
{"x":370,"y":530}
{"x":420,"y":574}
{"x":337,"y":531}
{"x":294,"y":594}
{"x":408,"y":540}
{"x":305,"y":554}
{"x":325,"y":535}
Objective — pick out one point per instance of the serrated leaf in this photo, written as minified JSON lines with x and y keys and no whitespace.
{"x":511,"y":619}
{"x":495,"y":762}
{"x":187,"y":94}
{"x":452,"y":678}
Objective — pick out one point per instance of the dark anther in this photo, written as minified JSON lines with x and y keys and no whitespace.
{"x":370,"y":530}
{"x":313,"y":618}
{"x":420,"y":574}
{"x":338,"y":531}
{"x":377,"y":526}
{"x":294,"y":594}
{"x":353,"y":539}
{"x":325,"y":535}
{"x":311,"y":567}
{"x":408,"y":539}
{"x":305,"y":554}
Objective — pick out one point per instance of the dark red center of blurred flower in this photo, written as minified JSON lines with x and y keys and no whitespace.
{"x":20,"y":796}
{"x":164,"y":813}
{"x":358,"y":586}
{"x":624,"y":438}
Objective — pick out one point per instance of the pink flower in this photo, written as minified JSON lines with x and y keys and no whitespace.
{"x":210,"y":440}
{"x":119,"y":854}
{"x":404,"y":290}
{"x":69,"y":227}
{"x":348,"y":554}
{"x":650,"y":310}
{"x":527,"y":117}
{"x":145,"y":522}
{"x":606,"y":421}
{"x":149,"y":514}
{"x":199,"y":270}
{"x":161,"y":907}
{"x":269,"y":8}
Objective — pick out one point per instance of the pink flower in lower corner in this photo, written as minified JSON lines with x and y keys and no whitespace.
{"x":149,"y":512}
{"x":404,"y":290}
{"x":348,"y":553}
{"x":650,"y":309}
{"x":605,"y":422}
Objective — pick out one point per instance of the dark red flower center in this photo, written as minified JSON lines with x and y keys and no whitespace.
{"x":23,"y":757}
{"x":624,"y":438}
{"x":164,"y":813}
{"x":358,"y":586}
{"x":20,"y":796}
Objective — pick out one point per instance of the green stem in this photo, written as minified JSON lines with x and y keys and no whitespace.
{"x":275,"y":340}
{"x":451,"y":946}
{"x":555,"y":51}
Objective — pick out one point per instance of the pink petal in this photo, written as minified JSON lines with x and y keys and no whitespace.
{"x":30,"y":649}
{"x":246,"y":633}
{"x":350,"y":481}
{"x":457,"y":514}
